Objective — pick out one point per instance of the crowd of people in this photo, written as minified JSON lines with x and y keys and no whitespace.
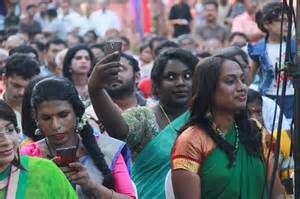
{"x":189,"y":114}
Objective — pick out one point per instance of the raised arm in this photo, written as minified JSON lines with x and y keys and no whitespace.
{"x":103,"y":73}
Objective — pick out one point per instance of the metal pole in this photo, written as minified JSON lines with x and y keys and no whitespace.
{"x":296,"y":83}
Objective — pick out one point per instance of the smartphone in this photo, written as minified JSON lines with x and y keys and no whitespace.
{"x":112,"y":46}
{"x":67,"y":155}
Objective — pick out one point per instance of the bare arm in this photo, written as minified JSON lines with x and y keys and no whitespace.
{"x":104,"y":72}
{"x":186,"y":184}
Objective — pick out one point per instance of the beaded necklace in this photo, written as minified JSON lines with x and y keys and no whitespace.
{"x":237,"y":140}
{"x":222,"y":134}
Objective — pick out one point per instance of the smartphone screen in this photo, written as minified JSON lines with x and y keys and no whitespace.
{"x":112,"y":46}
{"x":67,"y":155}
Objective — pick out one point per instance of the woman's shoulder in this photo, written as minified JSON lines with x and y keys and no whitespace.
{"x":191,"y":147}
{"x":36,"y":164}
{"x":139,"y":111}
{"x":193,"y":133}
{"x":110,"y":147}
{"x":193,"y":140}
{"x":43,"y":170}
{"x":141,"y":119}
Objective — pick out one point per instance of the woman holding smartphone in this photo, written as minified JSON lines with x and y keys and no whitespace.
{"x":100,"y":170}
{"x":24,"y":177}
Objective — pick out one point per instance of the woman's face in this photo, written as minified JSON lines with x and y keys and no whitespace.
{"x":81,"y":62}
{"x":8,"y":142}
{"x":176,"y":84}
{"x":231,"y":91}
{"x":57,"y":121}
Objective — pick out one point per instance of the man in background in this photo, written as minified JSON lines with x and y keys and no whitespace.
{"x":104,"y":19}
{"x":180,"y":18}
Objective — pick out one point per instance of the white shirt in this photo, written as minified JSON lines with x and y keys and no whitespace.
{"x":273,"y":54}
{"x":86,"y":25}
{"x":146,"y":69}
{"x":57,"y":27}
{"x":268,"y":111}
{"x":71,"y":20}
{"x":43,"y":21}
{"x":102,"y":21}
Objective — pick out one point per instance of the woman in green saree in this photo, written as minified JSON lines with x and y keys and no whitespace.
{"x":149,"y":131}
{"x":24,"y":177}
{"x":219,"y":153}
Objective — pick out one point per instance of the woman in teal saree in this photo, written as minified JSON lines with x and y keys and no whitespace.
{"x":154,"y":166}
{"x":148,"y":131}
{"x":219,"y":152}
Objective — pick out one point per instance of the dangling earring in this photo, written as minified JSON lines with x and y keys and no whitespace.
{"x":37,"y":132}
{"x":77,"y":128}
{"x":209,"y":115}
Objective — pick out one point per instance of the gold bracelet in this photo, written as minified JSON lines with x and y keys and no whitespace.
{"x":112,"y":193}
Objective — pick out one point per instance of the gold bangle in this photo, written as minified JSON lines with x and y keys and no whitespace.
{"x":112,"y":193}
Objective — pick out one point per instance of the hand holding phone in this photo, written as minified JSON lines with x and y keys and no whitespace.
{"x":107,"y":69}
{"x":65,"y":156}
{"x":112,"y":46}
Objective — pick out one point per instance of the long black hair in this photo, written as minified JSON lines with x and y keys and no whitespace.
{"x":7,"y":113}
{"x":70,"y":55}
{"x":59,"y":88}
{"x":205,"y":81}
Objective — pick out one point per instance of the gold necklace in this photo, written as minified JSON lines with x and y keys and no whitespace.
{"x":165,"y":114}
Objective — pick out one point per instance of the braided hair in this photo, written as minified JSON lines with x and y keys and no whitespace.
{"x":47,"y":90}
{"x":205,"y":81}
